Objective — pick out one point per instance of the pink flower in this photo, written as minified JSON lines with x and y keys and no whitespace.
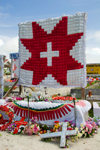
{"x":28,"y":130}
{"x":89,"y":132}
{"x":34,"y":119}
{"x":96,"y":127}
{"x":93,"y":124}
{"x":89,"y":126}
{"x":86,"y":130}
{"x":35,"y":129}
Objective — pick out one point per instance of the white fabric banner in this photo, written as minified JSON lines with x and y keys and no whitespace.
{"x":41,"y":108}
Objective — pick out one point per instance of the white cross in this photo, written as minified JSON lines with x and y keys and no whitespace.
{"x":61,"y":134}
{"x":49,"y":54}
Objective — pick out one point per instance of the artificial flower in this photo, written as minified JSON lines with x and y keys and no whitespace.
{"x":35,"y":129}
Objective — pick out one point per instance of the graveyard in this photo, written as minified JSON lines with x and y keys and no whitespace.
{"x":45,"y":99}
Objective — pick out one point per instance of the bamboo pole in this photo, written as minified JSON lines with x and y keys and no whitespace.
{"x":9,"y":91}
{"x":20,"y":89}
{"x":83,"y":93}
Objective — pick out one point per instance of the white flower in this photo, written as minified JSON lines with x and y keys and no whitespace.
{"x":76,"y":129}
{"x":83,"y":132}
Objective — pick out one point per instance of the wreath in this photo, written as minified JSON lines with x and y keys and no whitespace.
{"x":6,"y":117}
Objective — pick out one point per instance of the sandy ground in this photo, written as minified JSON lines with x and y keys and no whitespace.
{"x":21,"y":142}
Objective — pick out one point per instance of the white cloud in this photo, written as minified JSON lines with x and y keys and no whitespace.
{"x":93,"y":51}
{"x":93,"y":55}
{"x":93,"y":35}
{"x":8,"y":45}
{"x":93,"y":47}
{"x":1,"y":42}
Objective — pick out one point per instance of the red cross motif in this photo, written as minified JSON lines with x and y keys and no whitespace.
{"x":50,"y":52}
{"x":19,"y":123}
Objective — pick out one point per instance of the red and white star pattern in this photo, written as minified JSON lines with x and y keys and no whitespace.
{"x":52,"y":52}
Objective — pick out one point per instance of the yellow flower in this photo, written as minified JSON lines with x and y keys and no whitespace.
{"x":79,"y":135}
{"x":83,"y":132}
{"x":82,"y":125}
{"x":56,"y":126}
{"x":81,"y":128}
{"x":86,"y":129}
{"x":76,"y":129}
{"x":32,"y":126}
{"x":0,"y":115}
{"x":73,"y":139}
{"x":68,"y":124}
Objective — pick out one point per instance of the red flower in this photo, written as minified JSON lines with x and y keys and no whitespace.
{"x":56,"y":121}
{"x":11,"y":115}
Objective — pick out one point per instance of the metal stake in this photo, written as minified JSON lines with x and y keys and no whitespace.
{"x":28,"y":110}
{"x":73,"y":95}
{"x":74,"y":110}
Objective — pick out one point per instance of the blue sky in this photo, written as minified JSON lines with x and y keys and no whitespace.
{"x":13,"y":12}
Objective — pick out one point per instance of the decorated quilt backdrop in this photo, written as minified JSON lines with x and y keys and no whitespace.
{"x":14,"y":65}
{"x":52,"y":52}
{"x":1,"y":76}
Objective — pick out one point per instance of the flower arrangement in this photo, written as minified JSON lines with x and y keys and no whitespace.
{"x":11,"y":127}
{"x":18,"y":98}
{"x":22,"y":127}
{"x":32,"y":129}
{"x":96,"y":120}
{"x":6,"y":111}
{"x":44,"y":129}
{"x":56,"y":127}
{"x":64,"y":98}
{"x":88,"y":130}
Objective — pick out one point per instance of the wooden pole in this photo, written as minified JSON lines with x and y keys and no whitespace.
{"x":28,"y":111}
{"x":83,"y":93}
{"x":20,"y":89}
{"x":32,"y":88}
{"x":9,"y":91}
{"x":74,"y":110}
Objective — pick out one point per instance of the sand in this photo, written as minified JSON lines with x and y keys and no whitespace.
{"x":22,"y":142}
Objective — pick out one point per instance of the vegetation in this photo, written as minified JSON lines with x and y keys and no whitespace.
{"x":7,"y":71}
{"x":6,"y":88}
{"x":99,"y":104}
{"x":90,"y":113}
{"x":92,"y":83}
